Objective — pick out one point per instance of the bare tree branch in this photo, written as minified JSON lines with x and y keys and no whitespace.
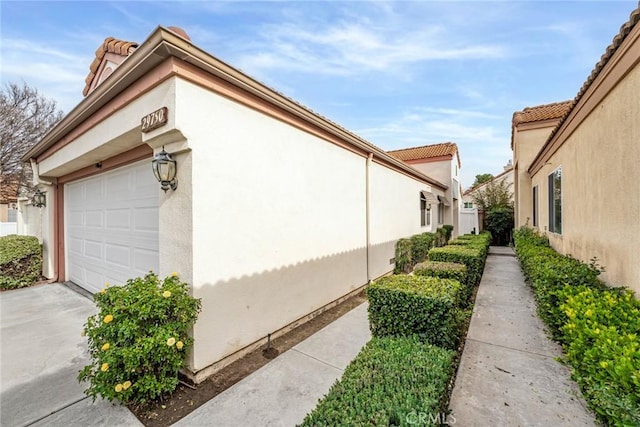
{"x":25,"y":117}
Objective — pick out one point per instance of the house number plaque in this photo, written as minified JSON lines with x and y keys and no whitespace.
{"x":154,"y":120}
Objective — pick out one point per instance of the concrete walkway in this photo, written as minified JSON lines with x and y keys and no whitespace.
{"x":42,"y":352}
{"x":282,"y":392}
{"x":508,"y":375}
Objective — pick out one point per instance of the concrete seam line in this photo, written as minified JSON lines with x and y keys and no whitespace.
{"x":55,"y":412}
{"x":319,"y":360}
{"x":514,"y":349}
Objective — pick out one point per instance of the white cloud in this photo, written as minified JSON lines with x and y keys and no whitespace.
{"x":56,"y":73}
{"x":482,"y":139}
{"x":350,"y":48}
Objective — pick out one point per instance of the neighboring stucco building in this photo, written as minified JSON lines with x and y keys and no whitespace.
{"x":469,"y":206}
{"x":530,"y":128}
{"x":278,"y":212}
{"x":441,"y":161}
{"x":581,"y":185}
{"x":8,"y":200}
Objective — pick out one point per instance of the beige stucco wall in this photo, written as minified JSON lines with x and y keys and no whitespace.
{"x":527,"y":143}
{"x":4,"y":212}
{"x":600,"y":186}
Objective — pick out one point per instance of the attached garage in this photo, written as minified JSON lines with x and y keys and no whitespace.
{"x":111,"y":226}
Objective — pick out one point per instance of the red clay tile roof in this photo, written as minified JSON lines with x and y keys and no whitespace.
{"x":8,"y":190}
{"x":538,"y":113}
{"x":110,"y":45}
{"x":426,"y":152}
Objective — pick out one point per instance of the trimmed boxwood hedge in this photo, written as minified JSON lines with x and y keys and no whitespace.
{"x":598,"y":326}
{"x":406,"y":305}
{"x":472,"y":257}
{"x":389,"y":383}
{"x":404,"y":263}
{"x":420,"y":245}
{"x":20,"y":261}
{"x":444,"y":270}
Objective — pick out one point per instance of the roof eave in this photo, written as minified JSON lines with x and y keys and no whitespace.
{"x":163,"y":43}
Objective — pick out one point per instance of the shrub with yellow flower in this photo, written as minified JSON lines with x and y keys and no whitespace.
{"x":121,"y":349}
{"x":174,"y":274}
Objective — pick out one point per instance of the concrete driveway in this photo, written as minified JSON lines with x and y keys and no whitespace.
{"x":41,"y":354}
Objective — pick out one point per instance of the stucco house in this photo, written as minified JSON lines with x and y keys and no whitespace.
{"x":8,"y":199}
{"x":441,"y":161}
{"x":275,"y":213}
{"x":469,"y":206}
{"x":576,"y":164}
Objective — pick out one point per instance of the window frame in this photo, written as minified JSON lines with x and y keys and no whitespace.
{"x":535,"y":194}
{"x":554,"y":181}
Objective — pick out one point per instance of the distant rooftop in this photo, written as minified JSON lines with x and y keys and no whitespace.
{"x":426,"y":152}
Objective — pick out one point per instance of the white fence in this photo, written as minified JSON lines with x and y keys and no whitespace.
{"x":469,"y":221}
{"x":7,"y":228}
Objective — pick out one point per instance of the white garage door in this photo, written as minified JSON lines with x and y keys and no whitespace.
{"x":111,"y":226}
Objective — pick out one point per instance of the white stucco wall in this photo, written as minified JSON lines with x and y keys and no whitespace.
{"x":444,"y":171}
{"x":278,"y":220}
{"x":394,"y":213}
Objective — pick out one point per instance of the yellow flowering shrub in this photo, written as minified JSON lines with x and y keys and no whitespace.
{"x":144,"y":332}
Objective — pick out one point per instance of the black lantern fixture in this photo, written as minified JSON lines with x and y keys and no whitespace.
{"x":164,"y":168}
{"x":39,"y":198}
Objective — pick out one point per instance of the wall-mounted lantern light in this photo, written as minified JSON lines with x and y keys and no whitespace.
{"x":164,"y":168}
{"x":39,"y":199}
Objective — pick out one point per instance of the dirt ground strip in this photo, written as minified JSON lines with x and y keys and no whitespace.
{"x":186,"y":399}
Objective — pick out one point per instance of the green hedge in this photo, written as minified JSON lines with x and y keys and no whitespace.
{"x":20,"y":261}
{"x":420,"y":245}
{"x":547,"y":271}
{"x":599,"y":327}
{"x":444,"y":270}
{"x":393,"y":381}
{"x":406,"y":305}
{"x":472,"y":257}
{"x":413,"y":250}
{"x":403,"y":256}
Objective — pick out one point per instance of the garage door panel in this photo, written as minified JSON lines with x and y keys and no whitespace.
{"x":118,"y":219}
{"x":93,"y":249}
{"x":112,"y":227}
{"x":92,"y":218}
{"x":119,"y":184}
{"x":118,"y":255}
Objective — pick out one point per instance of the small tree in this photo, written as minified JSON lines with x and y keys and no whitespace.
{"x":494,"y":194}
{"x":496,"y":200}
{"x":25,"y":116}
{"x":482,"y":178}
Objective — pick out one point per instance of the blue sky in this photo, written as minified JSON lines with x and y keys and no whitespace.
{"x":399,"y":74}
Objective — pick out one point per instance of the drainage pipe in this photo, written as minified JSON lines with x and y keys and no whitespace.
{"x":368,"y":213}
